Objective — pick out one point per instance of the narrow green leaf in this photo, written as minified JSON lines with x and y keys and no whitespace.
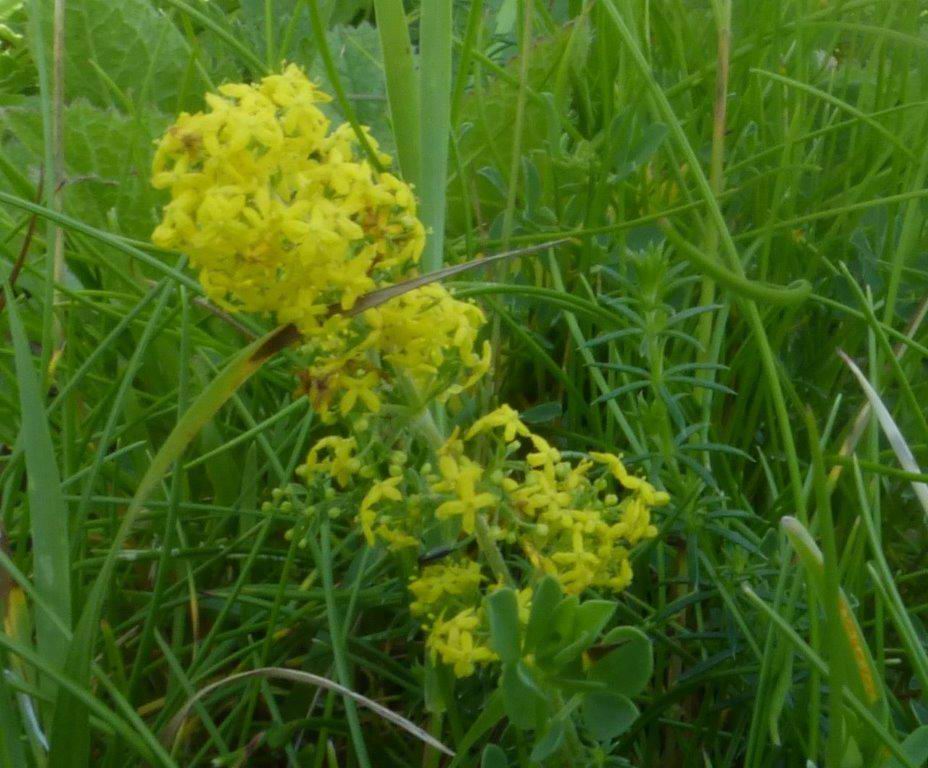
{"x":70,"y":741}
{"x":47,"y":509}
{"x":434,"y":123}
{"x":402,"y":84}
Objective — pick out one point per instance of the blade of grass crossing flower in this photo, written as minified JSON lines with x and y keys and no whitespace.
{"x":382,"y":295}
{"x":402,"y":84}
{"x":47,"y":509}
{"x":434,"y":123}
{"x":896,"y":439}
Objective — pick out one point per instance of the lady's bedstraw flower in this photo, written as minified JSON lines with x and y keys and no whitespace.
{"x":334,"y":456}
{"x":375,"y":525}
{"x":282,"y":215}
{"x":274,"y":210}
{"x":568,"y":526}
{"x":460,"y":641}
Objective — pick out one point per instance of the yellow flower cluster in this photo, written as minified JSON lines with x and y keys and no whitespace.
{"x":576,"y":521}
{"x":572,"y":529}
{"x":460,"y":641}
{"x":280,"y":214}
{"x":334,"y":456}
{"x":275,"y":210}
{"x":449,"y":604}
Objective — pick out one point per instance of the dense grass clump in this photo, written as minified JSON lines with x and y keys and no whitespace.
{"x":646,"y":491}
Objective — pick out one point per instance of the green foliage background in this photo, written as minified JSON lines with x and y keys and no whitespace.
{"x":597,"y":121}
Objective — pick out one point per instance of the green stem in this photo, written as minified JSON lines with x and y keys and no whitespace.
{"x":322,"y":554}
{"x":434,"y":123}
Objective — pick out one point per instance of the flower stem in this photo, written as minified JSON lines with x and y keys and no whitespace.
{"x":428,"y":428}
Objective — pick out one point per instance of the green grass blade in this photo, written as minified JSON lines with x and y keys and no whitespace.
{"x":435,"y":123}
{"x":47,"y":508}
{"x":70,"y":748}
{"x":402,"y":84}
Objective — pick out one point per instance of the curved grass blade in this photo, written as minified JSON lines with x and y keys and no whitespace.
{"x":891,"y":430}
{"x":298,"y":676}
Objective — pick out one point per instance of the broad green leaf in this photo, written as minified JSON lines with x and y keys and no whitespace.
{"x":521,"y":695}
{"x":493,"y":757}
{"x":550,"y":740}
{"x":628,"y":668}
{"x":589,"y":619}
{"x":503,"y":614}
{"x":593,"y":615}
{"x":561,"y":628}
{"x":607,"y":715}
{"x":107,"y":162}
{"x":127,"y":46}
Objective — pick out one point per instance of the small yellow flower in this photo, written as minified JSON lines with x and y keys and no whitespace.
{"x":506,"y":418}
{"x":630,"y":482}
{"x":457,"y":642}
{"x":460,"y":477}
{"x":340,"y":462}
{"x":384,"y":489}
{"x":361,"y":388}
